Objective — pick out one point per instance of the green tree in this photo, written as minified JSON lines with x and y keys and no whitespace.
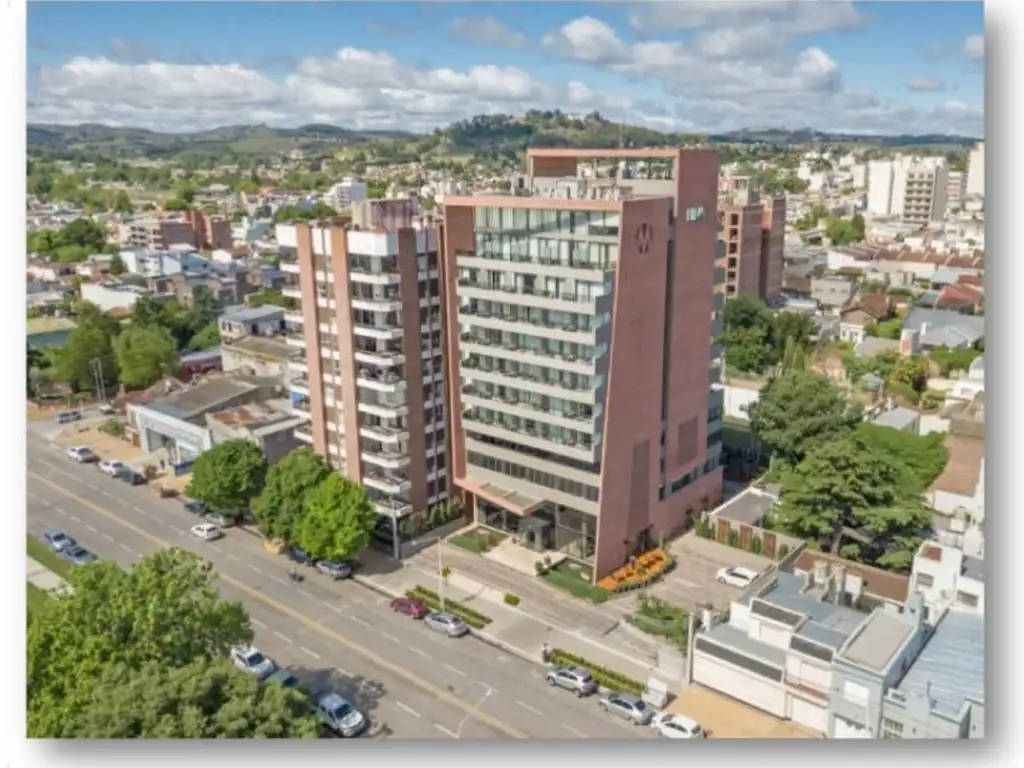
{"x":281,"y":505}
{"x":145,"y":354}
{"x":338,"y":521}
{"x":175,"y":204}
{"x":84,"y":232}
{"x":164,"y":611}
{"x":924,"y":456}
{"x":793,"y":358}
{"x":117,"y":266}
{"x":123,"y":203}
{"x":792,"y":325}
{"x":203,"y":700}
{"x":75,"y":362}
{"x":205,"y":308}
{"x":228,"y":476}
{"x":748,"y":349}
{"x":951,"y":360}
{"x":887,"y":329}
{"x":798,"y":410}
{"x":207,"y":337}
{"x":910,"y":371}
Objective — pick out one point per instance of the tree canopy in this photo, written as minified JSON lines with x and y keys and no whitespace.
{"x":145,"y":354}
{"x":924,"y":456}
{"x":799,"y":410}
{"x":338,"y":521}
{"x":755,"y":338}
{"x":281,"y":505}
{"x":229,"y":475}
{"x":206,"y":337}
{"x":92,"y":340}
{"x":289,"y":213}
{"x":164,"y":611}
{"x":73,"y":242}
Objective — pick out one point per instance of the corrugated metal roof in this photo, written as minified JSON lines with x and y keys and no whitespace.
{"x":951,"y":667}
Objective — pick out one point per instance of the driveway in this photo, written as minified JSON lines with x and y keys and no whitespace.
{"x":725,"y":718}
{"x":692,"y":581}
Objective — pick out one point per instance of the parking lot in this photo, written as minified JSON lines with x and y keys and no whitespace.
{"x":106,"y":446}
{"x":692,"y":582}
{"x":725,"y":718}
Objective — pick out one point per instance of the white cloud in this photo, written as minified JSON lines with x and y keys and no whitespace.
{"x":787,"y":18}
{"x":487,"y":31}
{"x":588,"y":40}
{"x":925,"y":85}
{"x":974,"y":47}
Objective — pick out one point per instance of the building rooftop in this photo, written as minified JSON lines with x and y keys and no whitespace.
{"x":748,"y":507}
{"x":897,"y":418}
{"x":253,"y":315}
{"x":951,"y":666}
{"x":963,"y":469}
{"x":202,"y":398}
{"x":945,"y":327}
{"x":790,"y":593}
{"x":731,"y":637}
{"x":202,"y":356}
{"x":265,"y":347}
{"x":872,"y":346}
{"x":254,"y":416}
{"x":880,"y":637}
{"x":37,"y":325}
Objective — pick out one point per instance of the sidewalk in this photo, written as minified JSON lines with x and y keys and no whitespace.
{"x":512,"y":629}
{"x":38,"y":575}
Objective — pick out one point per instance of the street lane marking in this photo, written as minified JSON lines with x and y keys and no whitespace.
{"x":93,"y":487}
{"x":572,"y":730}
{"x":216,"y":548}
{"x":232,"y":557}
{"x":526,"y":706}
{"x":422,"y":653}
{"x":336,"y":609}
{"x":392,"y":638}
{"x":90,"y":528}
{"x":76,"y":518}
{"x":343,"y":673}
{"x":257,"y":622}
{"x":358,"y":620}
{"x":108,"y":538}
{"x":283,"y":637}
{"x":60,"y":511}
{"x":122,"y":501}
{"x":445,"y":731}
{"x":280,"y":581}
{"x":367,"y":654}
{"x":456,"y":670}
{"x":306,"y":650}
{"x":32,"y":495}
{"x":107,"y":494}
{"x":141,"y":512}
{"x":254,"y":568}
{"x":126,"y":548}
{"x":307,"y":594}
{"x":404,"y":708}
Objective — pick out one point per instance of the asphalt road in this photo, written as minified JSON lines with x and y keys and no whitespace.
{"x":411,"y":682}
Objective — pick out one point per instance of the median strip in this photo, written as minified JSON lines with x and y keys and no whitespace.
{"x":433,"y":601}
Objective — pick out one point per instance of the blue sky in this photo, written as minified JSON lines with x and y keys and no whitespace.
{"x":864,"y":67}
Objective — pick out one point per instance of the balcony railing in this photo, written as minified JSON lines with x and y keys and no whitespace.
{"x":525,"y":258}
{"x":304,"y":433}
{"x":580,"y":414}
{"x":388,"y":327}
{"x":386,"y":269}
{"x":471,"y":311}
{"x":583,"y":443}
{"x":511,"y":346}
{"x":300,"y":381}
{"x":513,"y":291}
{"x":473,"y":363}
{"x":393,"y":479}
{"x":383,"y":433}
{"x":384,"y":377}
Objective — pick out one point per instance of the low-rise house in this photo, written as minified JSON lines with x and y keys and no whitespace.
{"x":944,"y":328}
{"x":44,"y":332}
{"x":868,"y":310}
{"x":116,"y":294}
{"x":947,"y":577}
{"x":898,"y":418}
{"x":46,"y":272}
{"x":260,"y":356}
{"x":252,"y":321}
{"x":199,"y":363}
{"x":871,"y":346}
{"x":831,"y":292}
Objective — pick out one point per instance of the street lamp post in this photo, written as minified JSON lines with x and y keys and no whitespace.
{"x":440,"y":574}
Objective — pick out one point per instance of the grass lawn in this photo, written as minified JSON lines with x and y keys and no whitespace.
{"x":37,"y":598}
{"x":478,"y":540}
{"x":562,"y":577}
{"x":42,"y":554}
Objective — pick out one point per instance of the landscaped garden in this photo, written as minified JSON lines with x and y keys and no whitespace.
{"x":574,"y":579}
{"x":478,"y":540}
{"x":656,"y":617}
{"x":640,"y":572}
{"x":432,"y":600}
{"x":606,"y":678}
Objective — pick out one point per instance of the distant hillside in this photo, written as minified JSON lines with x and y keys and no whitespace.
{"x":486,"y":137}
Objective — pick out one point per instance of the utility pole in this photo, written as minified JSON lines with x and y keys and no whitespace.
{"x":440,"y":574}
{"x":97,"y":377}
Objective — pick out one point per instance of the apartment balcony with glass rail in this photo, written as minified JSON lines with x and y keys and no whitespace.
{"x":301,"y":407}
{"x":384,"y":380}
{"x":304,"y":434}
{"x":294,"y":318}
{"x":527,"y":406}
{"x":387,"y":481}
{"x":581,"y":268}
{"x":585,"y":390}
{"x":383,"y":433}
{"x":378,"y":328}
{"x":300,"y":385}
{"x":535,"y":297}
{"x":516,"y":350}
{"x":573,"y":444}
{"x":374,"y":299}
{"x":374,"y":271}
{"x":386,"y":457}
{"x":377,"y":353}
{"x":576,"y":328}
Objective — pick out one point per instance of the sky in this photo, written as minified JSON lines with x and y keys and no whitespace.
{"x":890,"y":68}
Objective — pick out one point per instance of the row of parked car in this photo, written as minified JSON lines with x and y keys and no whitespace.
{"x":581,"y":683}
{"x":68,"y":548}
{"x":336,"y":712}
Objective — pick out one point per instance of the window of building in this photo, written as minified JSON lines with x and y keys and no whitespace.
{"x":967,"y":599}
{"x":925,"y":580}
{"x":891,"y":729}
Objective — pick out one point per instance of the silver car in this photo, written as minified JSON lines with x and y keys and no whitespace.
{"x":578,"y":681}
{"x":446,"y":624}
{"x":631,"y":708}
{"x":340,"y":716}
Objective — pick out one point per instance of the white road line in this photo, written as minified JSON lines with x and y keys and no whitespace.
{"x":45,"y":503}
{"x":108,"y":538}
{"x":32,"y":495}
{"x":107,"y":494}
{"x":392,"y":638}
{"x":280,"y":581}
{"x":218,"y":549}
{"x":76,"y":518}
{"x":343,"y":672}
{"x":254,"y":568}
{"x":445,"y":731}
{"x":307,"y":594}
{"x":404,"y":708}
{"x":308,"y":652}
{"x":232,"y":557}
{"x":141,"y":512}
{"x":526,"y":706}
{"x":125,"y":503}
{"x":572,"y":730}
{"x":258,"y":623}
{"x":421,"y":652}
{"x":456,"y":670}
{"x":126,"y":548}
{"x":358,"y":620}
{"x":93,"y":487}
{"x":90,"y":528}
{"x":60,"y":511}
{"x":283,"y":637}
{"x":336,"y":609}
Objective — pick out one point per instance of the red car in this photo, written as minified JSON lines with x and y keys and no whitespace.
{"x":409,"y":607}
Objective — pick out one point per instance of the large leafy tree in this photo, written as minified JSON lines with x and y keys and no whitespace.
{"x":338,"y":521}
{"x":74,"y":363}
{"x":145,"y":354}
{"x":854,"y":500}
{"x":755,"y":338}
{"x":163,"y":611}
{"x":207,"y":337}
{"x":924,"y":456}
{"x":228,"y":476}
{"x":798,"y":410}
{"x":203,"y":700}
{"x":281,"y":505}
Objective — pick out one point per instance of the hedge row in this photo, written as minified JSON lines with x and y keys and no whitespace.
{"x":606,"y":678}
{"x":433,"y":601}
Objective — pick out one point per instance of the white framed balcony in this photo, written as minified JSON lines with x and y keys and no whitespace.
{"x":380,"y":381}
{"x":384,"y":434}
{"x":546,"y":268}
{"x":378,"y":358}
{"x":299,"y":385}
{"x":298,"y":364}
{"x":304,"y":434}
{"x":294,"y":318}
{"x":386,"y":459}
{"x":393,"y":509}
{"x":374,"y":277}
{"x":295,"y":339}
{"x":505,"y":379}
{"x":302,"y":410}
{"x":386,"y":482}
{"x":382,"y":411}
{"x":586,"y":305}
{"x":384,"y":332}
{"x":524,"y":411}
{"x":526,"y":356}
{"x":496,"y":430}
{"x":377,"y":304}
{"x":291,"y":292}
{"x":289,"y":267}
{"x":574,"y":334}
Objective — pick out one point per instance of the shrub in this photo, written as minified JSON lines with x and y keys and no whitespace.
{"x":446,"y":572}
{"x":433,"y":601}
{"x":733,"y":539}
{"x":538,"y":567}
{"x":547,"y":560}
{"x":599,"y":597}
{"x":150,"y":471}
{"x":607,"y":678}
{"x":783,"y":551}
{"x":756,"y":545}
{"x":511,"y":599}
{"x":113,"y":427}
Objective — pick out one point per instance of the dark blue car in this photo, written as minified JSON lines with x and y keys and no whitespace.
{"x":300,"y":556}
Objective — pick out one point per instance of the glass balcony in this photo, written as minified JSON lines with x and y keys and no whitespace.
{"x":304,"y":433}
{"x":387,"y":482}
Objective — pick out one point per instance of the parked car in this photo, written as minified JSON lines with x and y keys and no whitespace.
{"x":339,"y":715}
{"x":66,"y":417}
{"x":576,"y":680}
{"x":194,"y":507}
{"x":738,"y":577}
{"x":248,"y":659}
{"x":283,"y":677}
{"x":410,"y":607}
{"x":632,"y":708}
{"x":76,"y":554}
{"x":677,"y":727}
{"x":300,"y":556}
{"x":130,"y":476}
{"x":83,"y":454}
{"x":446,"y":624}
{"x":223,"y":519}
{"x":207,"y":532}
{"x":111,"y":467}
{"x":58,"y":540}
{"x":336,"y":570}
{"x":107,"y":409}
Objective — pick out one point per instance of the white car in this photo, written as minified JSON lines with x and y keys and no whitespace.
{"x":677,"y":727}
{"x":738,"y":577}
{"x":207,"y":531}
{"x":248,"y":659}
{"x":110,"y":467}
{"x":83,"y":454}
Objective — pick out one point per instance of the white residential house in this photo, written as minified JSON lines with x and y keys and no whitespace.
{"x":163,"y":263}
{"x":947,"y":577}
